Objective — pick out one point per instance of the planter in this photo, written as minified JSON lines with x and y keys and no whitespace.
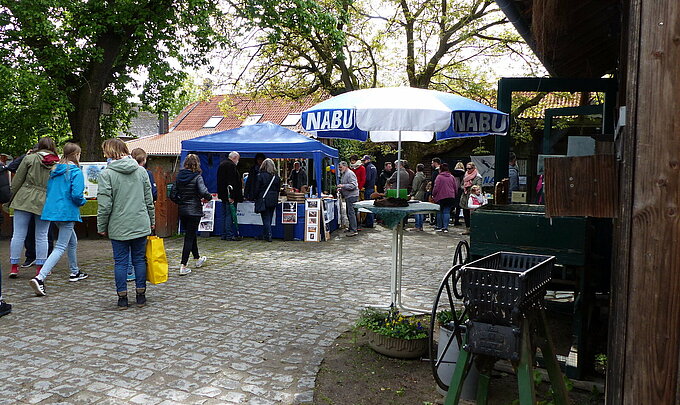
{"x":398,"y":348}
{"x":448,"y":366}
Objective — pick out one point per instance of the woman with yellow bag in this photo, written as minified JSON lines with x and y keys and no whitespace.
{"x":189,"y":192}
{"x":126,"y":215}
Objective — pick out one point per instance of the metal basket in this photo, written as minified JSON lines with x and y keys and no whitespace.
{"x":499,"y":287}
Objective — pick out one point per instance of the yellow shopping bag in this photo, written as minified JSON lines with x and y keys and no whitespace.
{"x":156,"y":261}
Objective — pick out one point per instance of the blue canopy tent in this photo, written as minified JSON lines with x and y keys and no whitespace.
{"x":273,"y":140}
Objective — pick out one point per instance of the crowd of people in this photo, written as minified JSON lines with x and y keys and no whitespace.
{"x":47,"y":190}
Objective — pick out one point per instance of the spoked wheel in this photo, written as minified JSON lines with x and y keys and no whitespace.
{"x":445,"y":302}
{"x":462,"y":253}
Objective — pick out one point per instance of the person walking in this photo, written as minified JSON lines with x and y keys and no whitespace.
{"x":62,"y":207}
{"x":349,"y":188}
{"x":126,"y":216}
{"x":458,"y":172}
{"x":369,"y":187}
{"x":418,"y":193}
{"x":230,"y":191}
{"x":191,"y":192}
{"x":268,"y":186}
{"x":444,"y":194}
{"x":471,"y":178}
{"x":29,"y":189}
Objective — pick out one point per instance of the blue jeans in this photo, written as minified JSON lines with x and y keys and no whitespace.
{"x":21,"y":220}
{"x":267,"y":216}
{"x":122,"y":249}
{"x":419,"y":220}
{"x":445,"y":215}
{"x":368,"y":222}
{"x":67,"y":240}
{"x":229,"y":229}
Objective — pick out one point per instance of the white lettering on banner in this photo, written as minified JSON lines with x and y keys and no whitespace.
{"x":501,"y":126}
{"x":325,"y":120}
{"x":471,"y":122}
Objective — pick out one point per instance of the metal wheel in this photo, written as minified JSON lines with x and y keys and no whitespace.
{"x":462,"y":253}
{"x":445,"y":301}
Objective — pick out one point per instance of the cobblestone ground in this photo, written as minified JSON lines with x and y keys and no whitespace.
{"x":250,"y":327}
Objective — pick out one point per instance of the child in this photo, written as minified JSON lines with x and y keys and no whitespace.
{"x":476,"y":199}
{"x":64,"y":198}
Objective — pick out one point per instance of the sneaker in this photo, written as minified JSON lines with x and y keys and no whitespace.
{"x":445,"y":231}
{"x":5,"y":308}
{"x":355,"y":233}
{"x":38,"y":286}
{"x":184,"y":270}
{"x":200,"y":261}
{"x":123,"y":302}
{"x":79,"y":276}
{"x":28,"y":263}
{"x":14,"y":272}
{"x":131,"y":277}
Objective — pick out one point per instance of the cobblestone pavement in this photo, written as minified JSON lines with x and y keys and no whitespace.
{"x":250,"y":327}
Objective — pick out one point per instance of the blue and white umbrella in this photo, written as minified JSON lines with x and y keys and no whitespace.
{"x":396,"y":114}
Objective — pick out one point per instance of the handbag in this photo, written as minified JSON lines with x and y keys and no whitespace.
{"x":156,"y":260}
{"x":260,"y":206}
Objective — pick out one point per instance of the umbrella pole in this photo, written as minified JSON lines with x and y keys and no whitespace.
{"x":398,"y":161}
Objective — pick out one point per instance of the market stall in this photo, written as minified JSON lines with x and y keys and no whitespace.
{"x":275,"y":142}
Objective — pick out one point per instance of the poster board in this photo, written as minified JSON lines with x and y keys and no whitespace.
{"x":207,"y":223}
{"x":485,"y":167}
{"x":312,"y":219}
{"x":91,"y":171}
{"x":246,"y":215}
{"x":289,"y":212}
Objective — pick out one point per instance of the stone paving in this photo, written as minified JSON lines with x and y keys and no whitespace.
{"x":250,"y":327}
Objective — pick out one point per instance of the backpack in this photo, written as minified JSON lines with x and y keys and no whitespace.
{"x":5,"y":191}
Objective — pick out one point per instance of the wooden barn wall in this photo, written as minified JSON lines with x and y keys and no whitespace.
{"x":581,"y":186}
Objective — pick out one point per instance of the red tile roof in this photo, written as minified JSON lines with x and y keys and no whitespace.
{"x":189,"y":123}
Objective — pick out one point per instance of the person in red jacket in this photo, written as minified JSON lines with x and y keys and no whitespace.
{"x":359,"y":170}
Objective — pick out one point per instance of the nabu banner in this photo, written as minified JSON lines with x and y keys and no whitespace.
{"x":469,"y":122}
{"x":329,"y":120}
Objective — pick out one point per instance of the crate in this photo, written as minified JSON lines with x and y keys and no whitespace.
{"x":498,"y":288}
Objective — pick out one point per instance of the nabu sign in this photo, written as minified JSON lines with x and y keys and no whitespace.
{"x":466,"y":122}
{"x":338,"y":120}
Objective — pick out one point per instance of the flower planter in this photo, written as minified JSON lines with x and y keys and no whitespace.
{"x":398,"y":348}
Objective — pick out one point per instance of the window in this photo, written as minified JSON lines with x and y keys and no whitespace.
{"x":291,"y":120}
{"x":251,"y":120}
{"x":213,"y":121}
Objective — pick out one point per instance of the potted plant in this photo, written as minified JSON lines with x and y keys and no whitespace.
{"x":394,"y":334}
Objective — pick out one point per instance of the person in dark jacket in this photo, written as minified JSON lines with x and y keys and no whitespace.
{"x":297,"y":177}
{"x":230,"y":191}
{"x":6,"y":193}
{"x":268,"y":185}
{"x":140,"y":156}
{"x":384,"y":176}
{"x":191,"y":191}
{"x":251,"y":181}
{"x":369,"y":186}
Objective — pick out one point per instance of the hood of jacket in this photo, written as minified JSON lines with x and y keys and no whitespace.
{"x":60,"y":169}
{"x":446,"y":174}
{"x":126,"y":165}
{"x":185,"y":176}
{"x":47,"y":158}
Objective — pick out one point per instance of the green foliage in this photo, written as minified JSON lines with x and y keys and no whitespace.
{"x":391,"y":323}
{"x":84,"y":53}
{"x":348,"y":147}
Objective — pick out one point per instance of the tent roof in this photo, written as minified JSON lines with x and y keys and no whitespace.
{"x":273,"y":140}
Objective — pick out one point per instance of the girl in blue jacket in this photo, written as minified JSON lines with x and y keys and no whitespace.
{"x":64,"y":198}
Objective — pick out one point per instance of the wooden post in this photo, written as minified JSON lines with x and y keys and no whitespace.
{"x":645,"y":326}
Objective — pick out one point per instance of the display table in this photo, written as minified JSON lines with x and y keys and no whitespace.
{"x":250,"y":223}
{"x":392,"y":218}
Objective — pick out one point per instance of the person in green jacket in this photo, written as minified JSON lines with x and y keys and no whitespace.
{"x":126,"y":215}
{"x":29,"y":189}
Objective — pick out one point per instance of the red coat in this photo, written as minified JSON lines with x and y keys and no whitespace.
{"x":360,"y":172}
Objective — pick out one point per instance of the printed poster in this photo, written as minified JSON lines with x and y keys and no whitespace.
{"x":208,"y":219}
{"x":91,"y":171}
{"x":289,"y":212}
{"x":312,"y":217}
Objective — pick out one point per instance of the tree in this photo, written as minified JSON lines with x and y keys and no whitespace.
{"x":81,"y":55}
